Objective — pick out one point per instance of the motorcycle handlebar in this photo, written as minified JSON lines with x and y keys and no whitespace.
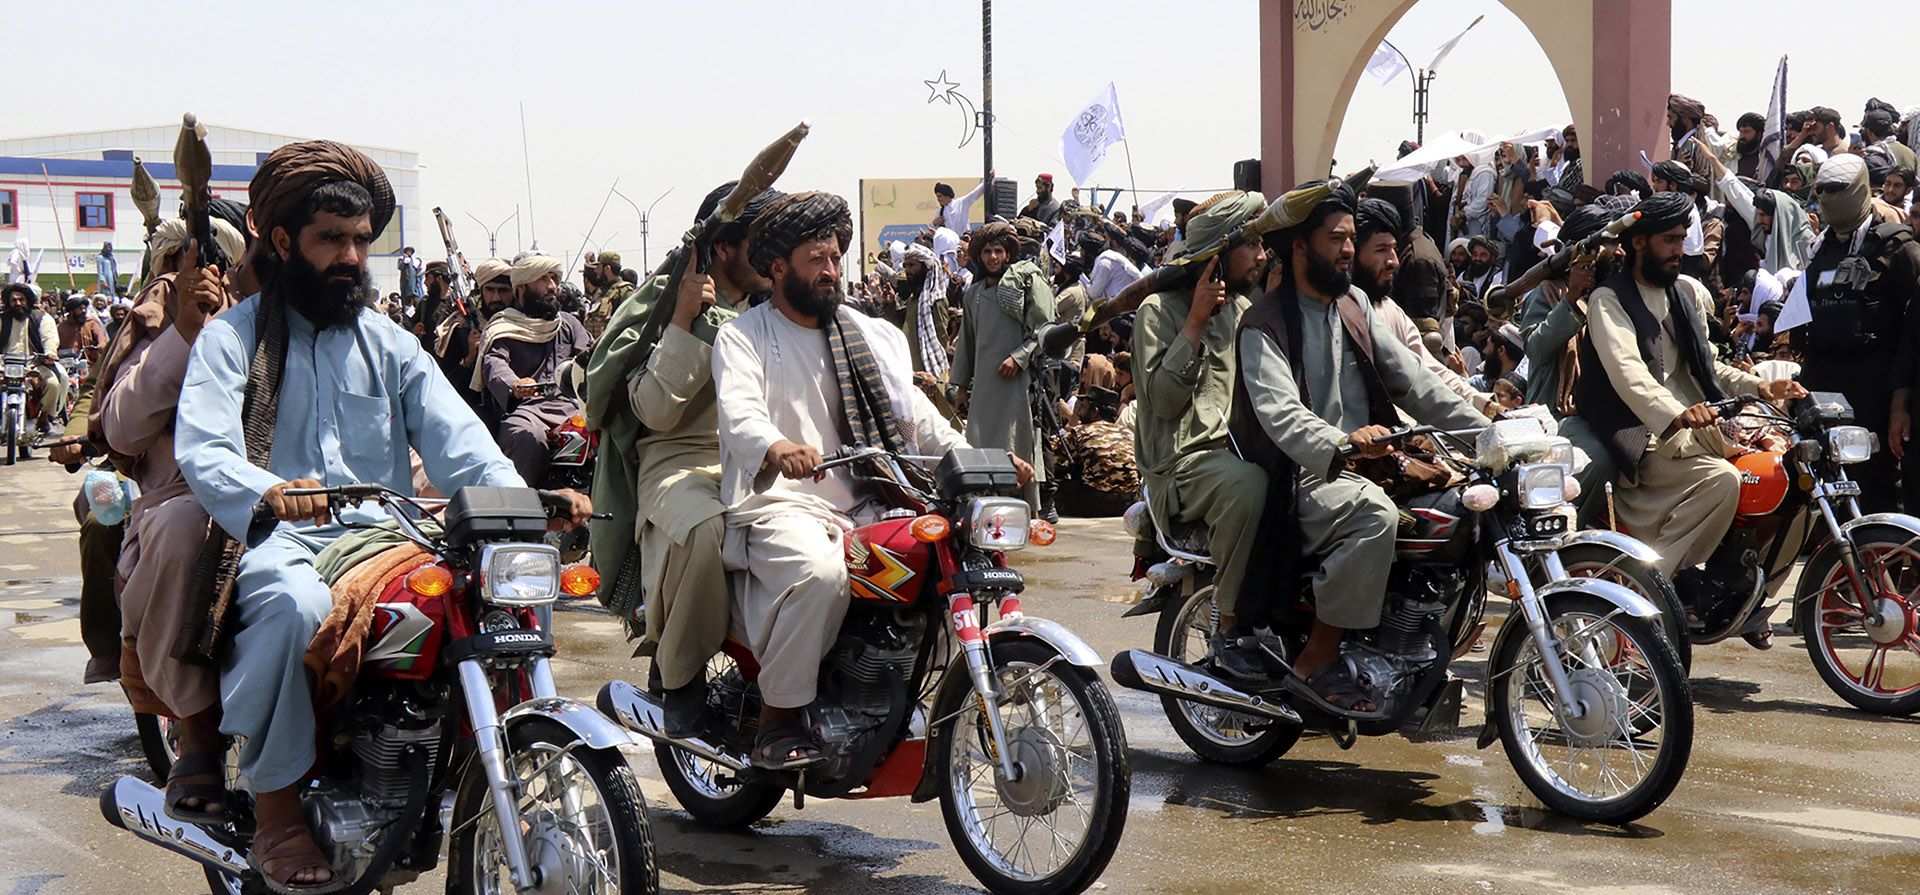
{"x":1396,"y":434}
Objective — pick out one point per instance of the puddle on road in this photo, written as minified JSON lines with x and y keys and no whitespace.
{"x":28,"y":618}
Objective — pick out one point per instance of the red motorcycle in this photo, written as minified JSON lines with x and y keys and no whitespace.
{"x":926,"y":694}
{"x":455,"y":695}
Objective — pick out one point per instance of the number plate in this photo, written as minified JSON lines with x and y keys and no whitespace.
{"x":1844,"y":489}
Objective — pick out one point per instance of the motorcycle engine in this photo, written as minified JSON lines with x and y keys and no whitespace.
{"x":1399,"y":651}
{"x":349,"y":813}
{"x":858,"y":686}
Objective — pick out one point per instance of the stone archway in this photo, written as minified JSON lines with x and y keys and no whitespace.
{"x":1612,"y":58}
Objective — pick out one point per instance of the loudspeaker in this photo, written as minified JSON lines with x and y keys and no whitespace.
{"x":1003,"y":199}
{"x":1246,"y":175}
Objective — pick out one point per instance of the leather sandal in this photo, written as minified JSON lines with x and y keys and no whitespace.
{"x":210,"y":795}
{"x":785,"y":747}
{"x":284,"y":852}
{"x":1333,"y":691}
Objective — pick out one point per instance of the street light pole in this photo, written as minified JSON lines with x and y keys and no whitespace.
{"x":646,"y":218}
{"x":493,"y":241}
{"x":986,"y":97}
{"x":1421,"y":79}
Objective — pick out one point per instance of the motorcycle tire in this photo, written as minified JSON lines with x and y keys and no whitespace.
{"x":154,"y":745}
{"x":723,"y":806}
{"x":1869,"y":540}
{"x":615,"y":788}
{"x":1601,"y":561}
{"x":1570,"y":612}
{"x":1111,"y":779}
{"x":1207,"y":741}
{"x":13,"y":440}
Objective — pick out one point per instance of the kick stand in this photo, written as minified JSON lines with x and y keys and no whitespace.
{"x":1345,"y":739}
{"x":799,"y":789}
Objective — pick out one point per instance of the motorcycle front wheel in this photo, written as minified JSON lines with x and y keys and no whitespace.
{"x":13,"y":438}
{"x":1052,"y":830}
{"x":1624,"y":756}
{"x":1607,"y":564}
{"x":1876,"y":668}
{"x":1222,"y":736}
{"x":581,"y":814}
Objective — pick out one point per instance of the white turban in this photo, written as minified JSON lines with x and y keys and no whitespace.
{"x":532,"y":267}
{"x":896,"y":253}
{"x":1810,"y":153}
{"x":1461,"y":243}
{"x":1766,"y":288}
{"x":921,"y":253}
{"x":491,"y":269}
{"x":172,"y":236}
{"x":946,"y":243}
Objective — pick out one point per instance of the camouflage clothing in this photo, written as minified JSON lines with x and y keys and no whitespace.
{"x":1100,"y":455}
{"x":604,"y":303}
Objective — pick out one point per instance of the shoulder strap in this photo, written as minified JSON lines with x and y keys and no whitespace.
{"x":1354,"y":318}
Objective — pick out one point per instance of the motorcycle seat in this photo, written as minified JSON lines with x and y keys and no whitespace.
{"x":1181,"y":540}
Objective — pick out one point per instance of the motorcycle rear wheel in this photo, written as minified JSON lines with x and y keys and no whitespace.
{"x":1221,"y":736}
{"x":1625,"y":668}
{"x":697,"y":784}
{"x":12,"y":438}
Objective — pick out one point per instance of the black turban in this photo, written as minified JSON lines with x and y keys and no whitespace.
{"x":1183,"y":206}
{"x":1678,"y":174}
{"x":789,"y":221}
{"x":232,"y":212}
{"x":736,"y":229}
{"x":941,"y":189}
{"x":1092,"y":242}
{"x":1375,"y":216}
{"x":1400,"y":196}
{"x":1661,"y":212}
{"x":1629,"y":180}
{"x":1584,"y":222}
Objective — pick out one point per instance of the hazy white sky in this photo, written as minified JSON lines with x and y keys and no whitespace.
{"x":680,"y":95}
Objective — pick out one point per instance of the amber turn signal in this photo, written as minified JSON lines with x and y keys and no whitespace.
{"x":579,"y":581}
{"x":430,"y":581}
{"x":1041,"y":533}
{"x":928,"y":529}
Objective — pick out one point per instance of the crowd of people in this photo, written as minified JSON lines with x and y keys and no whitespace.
{"x":1229,"y":387}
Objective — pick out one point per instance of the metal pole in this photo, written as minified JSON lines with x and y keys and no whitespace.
{"x":986,"y":96}
{"x":1421,"y":80}
{"x":527,"y":166}
{"x":54,"y":205}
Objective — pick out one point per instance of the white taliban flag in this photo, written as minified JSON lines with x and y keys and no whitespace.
{"x":1092,"y":132}
{"x":1386,"y":63}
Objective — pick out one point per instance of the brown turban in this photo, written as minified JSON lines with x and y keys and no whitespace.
{"x":295,"y":170}
{"x":793,"y":220}
{"x":1688,"y":109}
{"x":998,"y":231}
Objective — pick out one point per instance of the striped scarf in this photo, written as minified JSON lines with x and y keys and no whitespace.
{"x":933,"y":350}
{"x":863,"y":390}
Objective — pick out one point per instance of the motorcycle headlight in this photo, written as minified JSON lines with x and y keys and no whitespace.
{"x":1541,"y":485}
{"x":1850,"y":444}
{"x":998,"y":523}
{"x":16,"y":370}
{"x":520,"y":574}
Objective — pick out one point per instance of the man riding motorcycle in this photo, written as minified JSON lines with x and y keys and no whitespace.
{"x":523,"y":347}
{"x":27,"y":331}
{"x":1318,"y":370}
{"x":1647,"y":376}
{"x":456,"y":342}
{"x":797,"y":377}
{"x":300,"y":386}
{"x":1183,"y":344}
{"x":660,"y":476}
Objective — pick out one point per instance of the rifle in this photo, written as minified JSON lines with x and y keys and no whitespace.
{"x":459,"y":275}
{"x":1556,"y":265}
{"x":1290,"y":209}
{"x":146,"y":197}
{"x":193,"y":167}
{"x":696,"y":245}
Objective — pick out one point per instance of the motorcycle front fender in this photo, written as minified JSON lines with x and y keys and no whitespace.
{"x":1613,"y":540}
{"x":1908,"y":525}
{"x":1055,"y":635}
{"x":1622,"y":598}
{"x":586,"y":722}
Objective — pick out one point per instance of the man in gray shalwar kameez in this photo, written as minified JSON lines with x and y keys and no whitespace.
{"x":1318,"y":369}
{"x":524,"y":347}
{"x":1004,"y":308}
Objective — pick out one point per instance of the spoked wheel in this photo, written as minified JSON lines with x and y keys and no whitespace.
{"x":1215,"y":734}
{"x":581,"y":814}
{"x":1607,"y":564}
{"x":1623,"y":756}
{"x":159,"y":742}
{"x":12,"y":438}
{"x":709,"y":792}
{"x":1874,"y":666}
{"x":1052,"y":829}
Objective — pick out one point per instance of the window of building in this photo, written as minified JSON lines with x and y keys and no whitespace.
{"x":391,"y":240}
{"x":9,"y":218}
{"x":94,"y":211}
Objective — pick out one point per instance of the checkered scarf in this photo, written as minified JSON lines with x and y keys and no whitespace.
{"x":933,"y":352}
{"x":863,"y":390}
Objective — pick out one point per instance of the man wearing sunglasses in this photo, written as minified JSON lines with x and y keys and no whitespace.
{"x":1857,"y":286}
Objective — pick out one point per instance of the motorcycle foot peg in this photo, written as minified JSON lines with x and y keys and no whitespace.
{"x":1346,"y":738}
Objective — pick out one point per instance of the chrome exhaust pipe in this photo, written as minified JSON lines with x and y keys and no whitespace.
{"x":640,"y":712}
{"x":1138,"y":669}
{"x":136,"y":806}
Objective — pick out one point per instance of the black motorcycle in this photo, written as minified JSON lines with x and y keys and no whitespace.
{"x":1584,"y":691}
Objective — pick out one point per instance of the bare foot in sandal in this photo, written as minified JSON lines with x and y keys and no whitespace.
{"x":784,"y":742}
{"x":284,"y":851}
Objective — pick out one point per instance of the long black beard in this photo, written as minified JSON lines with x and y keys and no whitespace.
{"x":819,"y":304}
{"x":325,"y":302}
{"x":1477,"y":269}
{"x":1748,"y":147}
{"x":17,"y":313}
{"x":1325,"y":278}
{"x":1655,"y":274}
{"x":914,"y":284}
{"x":1571,"y":153}
{"x":1368,"y":283}
{"x":539,"y":307}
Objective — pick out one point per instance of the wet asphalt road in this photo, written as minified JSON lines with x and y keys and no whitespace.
{"x":1789,"y":790}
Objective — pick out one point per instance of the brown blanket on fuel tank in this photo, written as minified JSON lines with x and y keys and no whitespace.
{"x":333,"y":658}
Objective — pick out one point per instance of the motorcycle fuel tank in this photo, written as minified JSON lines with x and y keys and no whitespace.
{"x":885,"y":562}
{"x":1763,"y":482}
